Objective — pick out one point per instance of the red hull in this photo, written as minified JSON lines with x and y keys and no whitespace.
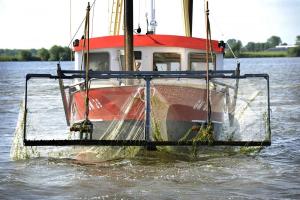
{"x":174,"y":103}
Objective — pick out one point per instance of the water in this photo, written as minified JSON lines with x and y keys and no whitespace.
{"x":272,"y":173}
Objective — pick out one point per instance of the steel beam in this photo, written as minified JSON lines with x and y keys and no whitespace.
{"x":141,"y":143}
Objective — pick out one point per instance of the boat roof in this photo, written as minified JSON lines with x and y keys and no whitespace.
{"x":150,"y":40}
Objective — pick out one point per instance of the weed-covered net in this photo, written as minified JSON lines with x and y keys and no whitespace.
{"x":117,"y":109}
{"x":239,"y":110}
{"x":178,"y":109}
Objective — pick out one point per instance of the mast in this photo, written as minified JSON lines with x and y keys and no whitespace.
{"x":115,"y":17}
{"x":188,"y":17}
{"x":128,"y":32}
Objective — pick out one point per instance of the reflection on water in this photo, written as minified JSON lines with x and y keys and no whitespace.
{"x":272,"y":173}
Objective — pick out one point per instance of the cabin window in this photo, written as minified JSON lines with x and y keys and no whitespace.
{"x":137,"y":56}
{"x":99,"y":61}
{"x":197,"y":61}
{"x":166,"y":62}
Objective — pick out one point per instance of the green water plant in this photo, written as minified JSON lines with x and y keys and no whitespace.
{"x":205,"y":134}
{"x":250,"y":150}
{"x":156,"y":131}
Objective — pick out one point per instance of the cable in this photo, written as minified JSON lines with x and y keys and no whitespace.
{"x":93,"y":19}
{"x":232,"y":51}
{"x":76,"y":31}
{"x":71,"y":57}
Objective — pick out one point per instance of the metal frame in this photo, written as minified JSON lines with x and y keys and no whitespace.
{"x":147,"y":76}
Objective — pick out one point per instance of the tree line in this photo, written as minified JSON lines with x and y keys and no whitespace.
{"x":55,"y":53}
{"x":261,"y":48}
{"x":251,"y":49}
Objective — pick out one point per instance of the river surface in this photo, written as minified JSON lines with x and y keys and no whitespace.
{"x":272,"y":173}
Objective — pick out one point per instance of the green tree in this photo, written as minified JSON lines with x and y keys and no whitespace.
{"x":56,"y":52}
{"x":43,"y":54}
{"x":24,"y":55}
{"x":59,"y":53}
{"x":294,"y":52}
{"x":250,"y":46}
{"x":298,"y":40}
{"x":273,"y":41}
{"x":33,"y":52}
{"x":67,"y":54}
{"x":235,"y":45}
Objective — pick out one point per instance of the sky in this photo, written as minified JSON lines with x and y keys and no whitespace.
{"x":29,"y":24}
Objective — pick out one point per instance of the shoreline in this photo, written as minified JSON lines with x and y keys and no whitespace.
{"x":260,"y":54}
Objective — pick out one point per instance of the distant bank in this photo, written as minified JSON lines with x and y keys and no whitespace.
{"x":55,"y":53}
{"x":64,"y":54}
{"x":273,"y":47}
{"x":260,"y":54}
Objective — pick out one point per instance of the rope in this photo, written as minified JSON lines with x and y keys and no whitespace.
{"x":220,"y":30}
{"x":232,"y":52}
{"x":210,"y":46}
{"x":80,"y":25}
{"x":87,"y":38}
{"x":208,"y":50}
{"x":83,"y":20}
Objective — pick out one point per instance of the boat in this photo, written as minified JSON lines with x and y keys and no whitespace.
{"x":148,"y":89}
{"x":184,"y":101}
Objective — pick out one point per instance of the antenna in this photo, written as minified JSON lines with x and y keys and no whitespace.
{"x":153,"y":22}
{"x":146,"y":15}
